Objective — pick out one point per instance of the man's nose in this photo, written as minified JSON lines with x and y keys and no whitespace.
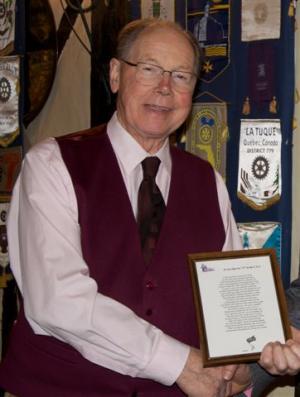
{"x":165,"y":82}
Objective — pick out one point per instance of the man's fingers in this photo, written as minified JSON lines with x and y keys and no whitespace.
{"x":281,"y":359}
{"x":229,"y":371}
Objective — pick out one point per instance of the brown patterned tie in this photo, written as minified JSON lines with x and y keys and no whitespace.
{"x":151,"y":208}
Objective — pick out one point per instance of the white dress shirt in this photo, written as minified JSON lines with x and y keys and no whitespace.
{"x":60,"y":298}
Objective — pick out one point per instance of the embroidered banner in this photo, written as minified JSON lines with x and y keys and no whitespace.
{"x":209,"y":22}
{"x":7,"y":26}
{"x":260,"y":20}
{"x":10,"y":163}
{"x":261,"y":235}
{"x":9,"y":99}
{"x":259,"y":174}
{"x":164,"y":9}
{"x":261,"y":68}
{"x":207,"y":133}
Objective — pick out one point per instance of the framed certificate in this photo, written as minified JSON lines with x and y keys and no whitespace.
{"x":240,"y":304}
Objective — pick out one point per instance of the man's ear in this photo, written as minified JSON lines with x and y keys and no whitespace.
{"x":114,"y":74}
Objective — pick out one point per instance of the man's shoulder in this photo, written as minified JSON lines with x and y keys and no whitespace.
{"x":84,"y":135}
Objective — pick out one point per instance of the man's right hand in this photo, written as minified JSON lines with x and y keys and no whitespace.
{"x":197,"y":381}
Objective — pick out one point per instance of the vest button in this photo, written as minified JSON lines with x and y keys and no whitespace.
{"x":149,"y":312}
{"x":150,"y":285}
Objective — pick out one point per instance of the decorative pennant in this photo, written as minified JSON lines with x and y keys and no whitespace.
{"x":210,"y":24}
{"x":260,"y":20}
{"x":164,"y":9}
{"x":261,"y":72}
{"x":5,"y":272}
{"x":7,"y":26}
{"x":259,"y":175}
{"x":10,"y":163}
{"x":207,"y":133}
{"x":261,"y":235}
{"x":9,"y":99}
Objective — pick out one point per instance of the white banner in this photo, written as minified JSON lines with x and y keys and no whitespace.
{"x":259,"y":174}
{"x":260,"y":19}
{"x":9,"y":99}
{"x":7,"y":26}
{"x":261,"y":235}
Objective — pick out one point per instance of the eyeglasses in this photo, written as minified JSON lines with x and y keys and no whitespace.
{"x":149,"y":74}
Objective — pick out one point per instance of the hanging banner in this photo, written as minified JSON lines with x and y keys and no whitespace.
{"x":260,"y":20}
{"x":261,"y":235}
{"x":261,"y":72}
{"x":207,"y":134}
{"x":209,"y":22}
{"x":7,"y":26}
{"x":164,"y":9}
{"x":259,"y":173}
{"x":10,"y":164}
{"x":9,"y":99}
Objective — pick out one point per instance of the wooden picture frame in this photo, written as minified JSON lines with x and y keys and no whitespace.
{"x":240,"y":304}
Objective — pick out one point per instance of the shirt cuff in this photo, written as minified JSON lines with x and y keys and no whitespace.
{"x":167,"y":362}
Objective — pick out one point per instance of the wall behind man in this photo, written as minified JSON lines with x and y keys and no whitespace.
{"x":68,"y":106}
{"x":296,"y":160}
{"x":68,"y":109}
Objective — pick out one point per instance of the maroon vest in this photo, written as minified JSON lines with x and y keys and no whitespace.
{"x":161,"y":292}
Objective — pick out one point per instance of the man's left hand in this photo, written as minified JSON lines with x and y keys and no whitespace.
{"x":282,"y":359}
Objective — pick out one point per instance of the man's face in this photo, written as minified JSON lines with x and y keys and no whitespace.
{"x":150,"y":113}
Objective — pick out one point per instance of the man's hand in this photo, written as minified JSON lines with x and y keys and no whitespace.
{"x":240,"y":379}
{"x":197,"y":381}
{"x":282,"y":359}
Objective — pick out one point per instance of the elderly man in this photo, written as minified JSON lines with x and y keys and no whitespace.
{"x":100,"y":226}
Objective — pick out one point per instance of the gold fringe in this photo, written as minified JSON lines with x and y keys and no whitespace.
{"x":273,"y":105}
{"x":295,"y":126}
{"x":246,"y":106}
{"x":297,"y":96}
{"x":291,"y":12}
{"x":225,"y":134}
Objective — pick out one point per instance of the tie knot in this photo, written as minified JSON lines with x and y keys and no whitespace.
{"x":150,"y":166}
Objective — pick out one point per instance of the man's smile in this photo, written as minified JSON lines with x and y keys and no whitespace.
{"x":157,"y":108}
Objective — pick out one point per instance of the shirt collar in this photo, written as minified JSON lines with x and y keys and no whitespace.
{"x":129,"y":152}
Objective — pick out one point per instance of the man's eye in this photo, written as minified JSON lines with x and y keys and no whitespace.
{"x":148,"y":68}
{"x":181,"y":76}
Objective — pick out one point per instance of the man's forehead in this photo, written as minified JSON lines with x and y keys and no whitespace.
{"x":151,"y":41}
{"x":158,"y":33}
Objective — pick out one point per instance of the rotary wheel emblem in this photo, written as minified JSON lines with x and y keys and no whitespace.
{"x":205,"y":135}
{"x":5,"y":90}
{"x":260,"y":167}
